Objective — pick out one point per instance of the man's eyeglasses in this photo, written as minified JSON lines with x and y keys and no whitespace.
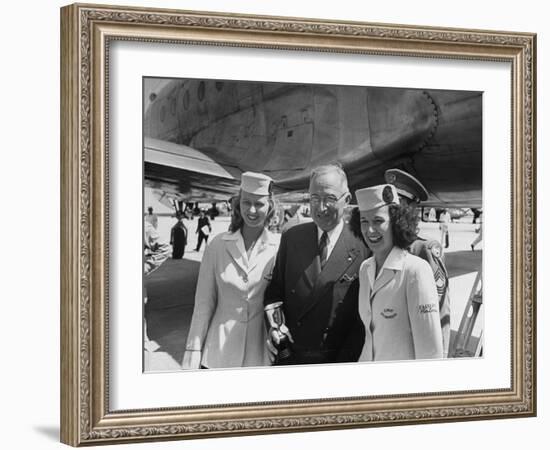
{"x":329,"y":201}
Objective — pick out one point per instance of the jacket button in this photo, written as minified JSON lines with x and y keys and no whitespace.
{"x":293,"y":291}
{"x":245,"y":278}
{"x":299,"y":324}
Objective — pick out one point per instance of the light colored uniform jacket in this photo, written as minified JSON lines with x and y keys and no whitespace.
{"x":228,"y":318}
{"x":400,"y":309}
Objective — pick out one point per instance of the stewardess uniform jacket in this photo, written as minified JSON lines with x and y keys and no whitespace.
{"x":320,"y":306}
{"x":400,"y":309}
{"x":228,"y":318}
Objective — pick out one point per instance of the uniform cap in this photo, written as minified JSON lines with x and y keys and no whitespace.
{"x":407,"y":185}
{"x":256,"y":183}
{"x":376,"y":196}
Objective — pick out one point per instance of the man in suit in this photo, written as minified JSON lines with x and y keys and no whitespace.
{"x":203,"y":229}
{"x":316,"y":277}
{"x":178,"y":237}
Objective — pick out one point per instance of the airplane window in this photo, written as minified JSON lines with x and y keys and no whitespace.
{"x":186,"y":100}
{"x":219,"y":85}
{"x":200,"y":92}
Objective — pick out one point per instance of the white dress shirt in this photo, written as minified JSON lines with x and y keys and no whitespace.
{"x":332,"y":235}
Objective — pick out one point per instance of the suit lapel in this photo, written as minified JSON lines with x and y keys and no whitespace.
{"x":385,"y":277}
{"x":307,"y":250}
{"x":235,"y":248}
{"x":342,"y":256}
{"x":394,"y":263}
{"x":264,"y":242}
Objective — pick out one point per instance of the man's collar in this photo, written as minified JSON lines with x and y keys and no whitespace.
{"x":333,"y":234}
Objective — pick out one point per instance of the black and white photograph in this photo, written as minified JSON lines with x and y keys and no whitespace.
{"x":294,"y":224}
{"x":338,"y":209}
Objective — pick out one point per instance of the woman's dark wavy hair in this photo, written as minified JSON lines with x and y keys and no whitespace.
{"x":237,"y":220}
{"x":404,"y":224}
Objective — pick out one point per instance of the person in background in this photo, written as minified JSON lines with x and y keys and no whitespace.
{"x":398,"y":301}
{"x":444,"y":220}
{"x":178,"y":237}
{"x":479,"y":231}
{"x":155,"y":252}
{"x":227,"y":327}
{"x":295,"y":217}
{"x":151,"y":217}
{"x":203,"y":229}
{"x":315,"y":277}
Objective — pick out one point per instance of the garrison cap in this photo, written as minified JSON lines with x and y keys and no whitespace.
{"x":256,"y":183}
{"x":376,"y":197}
{"x":407,"y":185}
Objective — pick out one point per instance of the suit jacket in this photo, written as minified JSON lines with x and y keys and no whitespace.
{"x":320,"y":306}
{"x":400,"y":309}
{"x":228,"y":321}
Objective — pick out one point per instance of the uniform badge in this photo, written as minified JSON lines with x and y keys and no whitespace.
{"x":436,"y":250}
{"x":388,"y":313}
{"x":387,"y":195}
{"x":427,"y":308}
{"x":347,"y":278}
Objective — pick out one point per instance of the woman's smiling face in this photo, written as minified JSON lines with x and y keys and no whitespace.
{"x":376,"y":229}
{"x":254,"y":209}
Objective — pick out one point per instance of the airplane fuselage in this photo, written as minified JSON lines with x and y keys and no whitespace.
{"x":285,"y":130}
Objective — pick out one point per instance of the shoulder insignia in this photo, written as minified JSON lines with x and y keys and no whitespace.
{"x":435,"y":248}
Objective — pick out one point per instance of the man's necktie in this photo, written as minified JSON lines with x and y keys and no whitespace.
{"x":323,"y":249}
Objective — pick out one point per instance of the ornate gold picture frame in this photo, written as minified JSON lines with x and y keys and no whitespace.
{"x":87,"y":34}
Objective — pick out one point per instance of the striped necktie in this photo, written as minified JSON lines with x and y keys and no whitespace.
{"x":323,"y":248}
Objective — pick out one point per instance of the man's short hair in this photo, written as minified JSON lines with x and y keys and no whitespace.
{"x":328,"y":168}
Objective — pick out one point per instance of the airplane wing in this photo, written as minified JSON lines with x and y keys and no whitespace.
{"x":188,"y":174}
